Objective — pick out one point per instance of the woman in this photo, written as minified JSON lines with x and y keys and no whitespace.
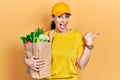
{"x":69,"y":48}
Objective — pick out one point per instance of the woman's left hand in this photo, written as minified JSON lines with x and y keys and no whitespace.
{"x":89,"y":37}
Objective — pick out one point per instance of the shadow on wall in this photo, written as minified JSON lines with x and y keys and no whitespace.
{"x":46,"y":21}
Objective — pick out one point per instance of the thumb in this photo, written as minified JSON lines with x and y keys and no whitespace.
{"x":96,"y":34}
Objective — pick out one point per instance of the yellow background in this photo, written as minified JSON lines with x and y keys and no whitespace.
{"x":19,"y":17}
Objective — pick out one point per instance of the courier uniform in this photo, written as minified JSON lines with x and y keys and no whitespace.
{"x":66,"y":48}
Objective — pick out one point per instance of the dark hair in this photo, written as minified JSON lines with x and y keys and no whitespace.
{"x":52,"y":25}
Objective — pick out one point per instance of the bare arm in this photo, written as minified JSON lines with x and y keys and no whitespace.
{"x":83,"y":60}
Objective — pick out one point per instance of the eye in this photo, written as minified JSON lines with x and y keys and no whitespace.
{"x":67,"y":16}
{"x":60,"y":16}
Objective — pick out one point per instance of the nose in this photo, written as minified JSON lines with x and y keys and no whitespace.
{"x":63,"y":19}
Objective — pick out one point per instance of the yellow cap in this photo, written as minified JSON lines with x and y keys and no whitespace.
{"x":60,"y":8}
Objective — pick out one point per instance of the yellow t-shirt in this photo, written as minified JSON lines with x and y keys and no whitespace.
{"x":66,"y":48}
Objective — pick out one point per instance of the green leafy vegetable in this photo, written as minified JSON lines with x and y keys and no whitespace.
{"x":33,"y":36}
{"x":24,"y":39}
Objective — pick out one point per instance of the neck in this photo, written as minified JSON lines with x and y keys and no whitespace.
{"x":64,"y":31}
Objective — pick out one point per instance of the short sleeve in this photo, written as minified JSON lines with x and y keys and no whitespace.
{"x":46,"y":32}
{"x":80,"y":46}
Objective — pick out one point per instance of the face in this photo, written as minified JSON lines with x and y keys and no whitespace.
{"x":61,"y":22}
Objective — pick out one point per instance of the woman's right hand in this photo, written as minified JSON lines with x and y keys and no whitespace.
{"x":35,"y":63}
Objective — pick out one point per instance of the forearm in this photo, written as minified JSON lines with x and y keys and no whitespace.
{"x":84,"y":58}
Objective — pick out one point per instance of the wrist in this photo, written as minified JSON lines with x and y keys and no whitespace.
{"x":90,"y":46}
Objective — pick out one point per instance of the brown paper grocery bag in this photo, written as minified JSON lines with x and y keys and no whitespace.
{"x":43,"y":50}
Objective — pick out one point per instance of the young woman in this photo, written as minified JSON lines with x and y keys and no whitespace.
{"x":69,"y":48}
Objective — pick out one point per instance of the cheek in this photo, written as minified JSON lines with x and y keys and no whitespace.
{"x":68,"y":20}
{"x":57,"y":21}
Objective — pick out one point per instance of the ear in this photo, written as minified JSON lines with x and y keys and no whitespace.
{"x":53,"y":17}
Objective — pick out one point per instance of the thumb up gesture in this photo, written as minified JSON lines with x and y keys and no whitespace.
{"x":89,"y":37}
